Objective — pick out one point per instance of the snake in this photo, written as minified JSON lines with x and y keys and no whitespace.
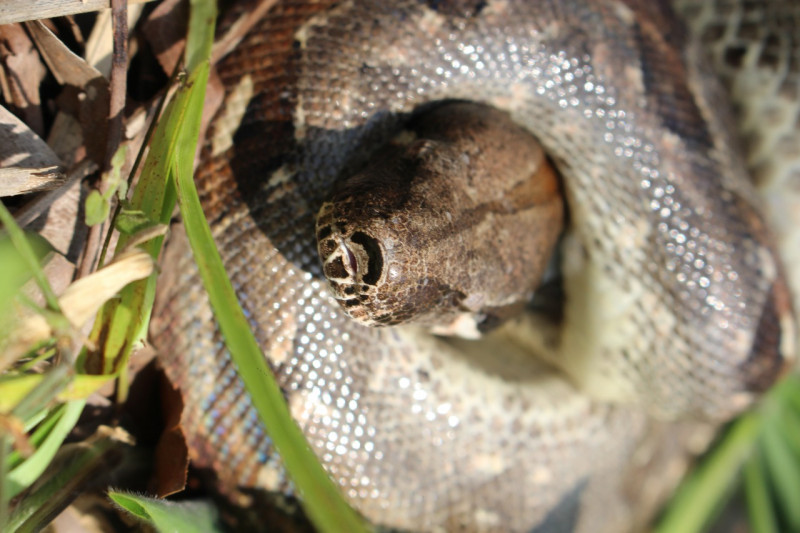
{"x":676,"y":265}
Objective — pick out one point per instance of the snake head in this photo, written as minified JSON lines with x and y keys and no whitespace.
{"x":450,"y":223}
{"x":371,"y":271}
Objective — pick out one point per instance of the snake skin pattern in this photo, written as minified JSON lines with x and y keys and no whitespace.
{"x":676,"y":304}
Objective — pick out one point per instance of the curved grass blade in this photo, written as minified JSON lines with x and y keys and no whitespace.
{"x":701,"y":494}
{"x":28,"y":255}
{"x":759,"y":507}
{"x":784,"y":473}
{"x":320,"y":497}
{"x":75,"y":466}
{"x":26,"y":473}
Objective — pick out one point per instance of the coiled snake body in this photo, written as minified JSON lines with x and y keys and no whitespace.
{"x":676,"y":305}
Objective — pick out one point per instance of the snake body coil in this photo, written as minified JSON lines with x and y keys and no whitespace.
{"x":676,"y":305}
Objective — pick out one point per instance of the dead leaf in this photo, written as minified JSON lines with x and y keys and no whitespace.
{"x":93,"y":91}
{"x":27,"y":164}
{"x":56,"y":215}
{"x":172,"y":453}
{"x":83,"y":298}
{"x":165,"y":30}
{"x":17,"y":180}
{"x":16,"y":11}
{"x":68,"y":68}
{"x":79,"y":302}
{"x":21,"y":72}
{"x":20,"y":146}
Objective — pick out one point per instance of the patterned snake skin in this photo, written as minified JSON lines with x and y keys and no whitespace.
{"x":677,"y":311}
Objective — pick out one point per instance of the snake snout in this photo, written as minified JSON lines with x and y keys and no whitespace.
{"x":352,"y":262}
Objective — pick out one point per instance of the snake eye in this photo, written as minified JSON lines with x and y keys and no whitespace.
{"x":374,"y":257}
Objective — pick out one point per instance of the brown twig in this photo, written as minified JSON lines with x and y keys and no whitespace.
{"x":116,"y":115}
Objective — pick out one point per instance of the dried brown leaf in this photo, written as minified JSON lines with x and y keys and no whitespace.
{"x":27,"y":164}
{"x":20,"y":146}
{"x":21,"y":72}
{"x":79,"y":302}
{"x":93,"y":91}
{"x":67,"y":67}
{"x":17,"y":11}
{"x":18,"y":180}
{"x":165,"y":30}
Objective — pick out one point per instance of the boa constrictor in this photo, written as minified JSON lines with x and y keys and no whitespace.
{"x":676,"y":308}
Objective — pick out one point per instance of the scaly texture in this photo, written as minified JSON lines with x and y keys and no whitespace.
{"x":675,"y":302}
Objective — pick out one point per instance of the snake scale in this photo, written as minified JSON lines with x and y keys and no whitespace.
{"x":677,"y":313}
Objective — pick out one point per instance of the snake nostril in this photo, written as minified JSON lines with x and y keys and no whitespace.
{"x":335,"y":269}
{"x":326,"y":248}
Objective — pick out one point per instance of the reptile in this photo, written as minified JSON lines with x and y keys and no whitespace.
{"x":677,"y":311}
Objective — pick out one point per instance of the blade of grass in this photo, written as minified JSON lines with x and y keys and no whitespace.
{"x":16,"y":269}
{"x":17,"y":389}
{"x":701,"y":495}
{"x":77,"y":465}
{"x":320,"y":497}
{"x":43,"y":429}
{"x":759,"y":506}
{"x":17,"y":236}
{"x":5,"y":484}
{"x":26,"y":473}
{"x":784,"y":470}
{"x":43,"y":391}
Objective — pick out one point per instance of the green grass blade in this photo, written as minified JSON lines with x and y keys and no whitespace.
{"x":76,"y":466}
{"x":124,"y":322}
{"x":28,"y":254}
{"x":26,"y":473}
{"x":16,"y":269}
{"x":166,"y":516}
{"x":5,"y":486}
{"x":43,"y":390}
{"x":784,"y":470}
{"x":320,"y":497}
{"x":700,"y":496}
{"x":46,"y":423}
{"x":759,"y":507}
